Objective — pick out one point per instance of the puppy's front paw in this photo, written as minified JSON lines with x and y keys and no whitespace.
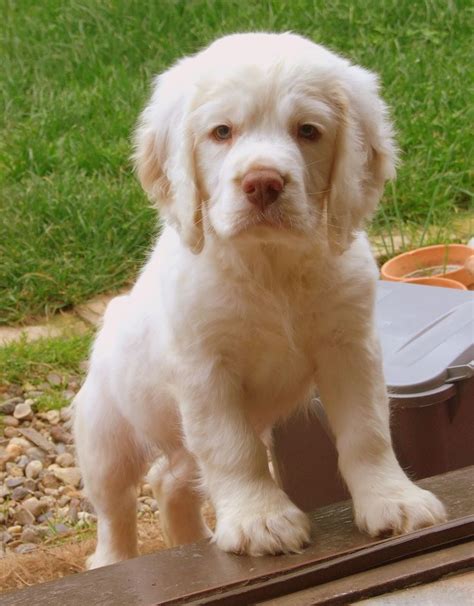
{"x":397,"y":510}
{"x":273,"y":529}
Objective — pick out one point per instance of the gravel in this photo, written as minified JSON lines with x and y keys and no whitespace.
{"x":23,"y":410}
{"x":40,"y":482}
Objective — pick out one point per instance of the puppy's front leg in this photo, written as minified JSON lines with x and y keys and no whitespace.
{"x":253,"y":515}
{"x":352,"y":387}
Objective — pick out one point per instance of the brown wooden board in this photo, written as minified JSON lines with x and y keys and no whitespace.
{"x":200,"y":572}
{"x":364,"y":559}
{"x":411,"y":572}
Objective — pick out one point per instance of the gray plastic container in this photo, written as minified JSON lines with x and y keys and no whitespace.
{"x":427,"y":336}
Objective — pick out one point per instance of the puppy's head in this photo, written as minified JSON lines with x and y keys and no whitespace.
{"x":264,"y":134}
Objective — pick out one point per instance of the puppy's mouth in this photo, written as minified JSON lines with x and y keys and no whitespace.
{"x":282,"y":219}
{"x":271,"y":218}
{"x":263,"y":218}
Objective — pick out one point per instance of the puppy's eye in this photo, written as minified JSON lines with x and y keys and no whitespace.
{"x":308,"y":131}
{"x":222,"y":132}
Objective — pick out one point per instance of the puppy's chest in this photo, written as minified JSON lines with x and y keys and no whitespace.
{"x":273,"y":347}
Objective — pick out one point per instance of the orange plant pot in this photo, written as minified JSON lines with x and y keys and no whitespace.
{"x":436,"y":281}
{"x":449,"y":261}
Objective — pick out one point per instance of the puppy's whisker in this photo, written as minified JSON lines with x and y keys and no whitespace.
{"x":317,"y":193}
{"x":314,"y":162}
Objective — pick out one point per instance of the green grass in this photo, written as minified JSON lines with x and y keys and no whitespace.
{"x":31,"y":362}
{"x":75,"y":74}
{"x":51,"y":401}
{"x":27,"y":364}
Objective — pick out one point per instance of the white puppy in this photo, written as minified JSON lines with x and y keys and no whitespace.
{"x":265,"y":154}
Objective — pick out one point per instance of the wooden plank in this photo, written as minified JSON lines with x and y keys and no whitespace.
{"x":356,"y":561}
{"x":187,"y":573}
{"x":423,"y":568}
{"x":457,"y":590}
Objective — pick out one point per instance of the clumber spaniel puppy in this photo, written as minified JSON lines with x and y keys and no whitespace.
{"x":265,"y":154}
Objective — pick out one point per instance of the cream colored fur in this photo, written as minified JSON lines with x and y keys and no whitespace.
{"x":240,"y":313}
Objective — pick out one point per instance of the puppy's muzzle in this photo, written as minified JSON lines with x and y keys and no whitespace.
{"x":262,"y":187}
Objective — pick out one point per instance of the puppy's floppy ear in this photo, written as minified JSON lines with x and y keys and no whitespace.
{"x":364,"y":158}
{"x":164,"y":154}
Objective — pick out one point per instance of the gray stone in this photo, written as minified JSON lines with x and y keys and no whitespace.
{"x":23,"y":411}
{"x":61,"y":435}
{"x":30,"y":484}
{"x":66,"y":413}
{"x":42,"y":531}
{"x":10,"y":432}
{"x":10,"y":421}
{"x":86,"y":505}
{"x":23,"y":516}
{"x":72,"y":514}
{"x":68,"y":475}
{"x":63,"y":500}
{"x":33,"y":469}
{"x":13,"y":450}
{"x":87,"y":517}
{"x":54,"y":379}
{"x":36,"y":454}
{"x":154,"y":505}
{"x":25,"y":548}
{"x":4,"y":458}
{"x":49,"y":480}
{"x":29,"y":535}
{"x":15,"y":529}
{"x":5,"y":537}
{"x":142,"y":508}
{"x":53,"y":417}
{"x":22,"y":461}
{"x":65,"y":460}
{"x":146,"y":490}
{"x":14,"y":482}
{"x":34,"y":436}
{"x":13,"y":470}
{"x":60,"y":529}
{"x":48,"y":502}
{"x":19,"y":493}
{"x":22,"y":442}
{"x":35,"y":506}
{"x":52,"y":492}
{"x":8,"y":407}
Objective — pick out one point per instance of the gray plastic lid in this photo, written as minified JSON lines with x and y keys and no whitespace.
{"x":427,"y":335}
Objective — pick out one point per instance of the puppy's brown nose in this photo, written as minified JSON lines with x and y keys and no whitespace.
{"x":262,"y":187}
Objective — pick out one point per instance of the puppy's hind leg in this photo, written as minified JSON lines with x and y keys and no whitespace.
{"x":112,"y":464}
{"x":173,"y":480}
